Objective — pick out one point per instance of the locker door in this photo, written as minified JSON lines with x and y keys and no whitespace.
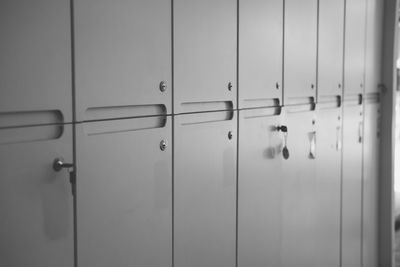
{"x":122,"y":56}
{"x":299,"y":196}
{"x":124,"y":188}
{"x":35,"y":57}
{"x":205,"y":37}
{"x":260,"y":188}
{"x":205,"y":190}
{"x":328,"y":186}
{"x":330,"y":48}
{"x":354,"y":47}
{"x":36,"y":202}
{"x":373,"y":46}
{"x":351,"y":185}
{"x":260,"y":53}
{"x":300,"y":51}
{"x":371,"y":182}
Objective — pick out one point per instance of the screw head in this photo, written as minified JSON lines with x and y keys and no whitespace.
{"x":277,"y":86}
{"x":312,"y":86}
{"x":230,"y":135}
{"x":163,"y":145}
{"x":339,"y":85}
{"x":163,"y":86}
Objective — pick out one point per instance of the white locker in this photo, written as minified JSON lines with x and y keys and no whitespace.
{"x":205,"y":42}
{"x":352,"y":184}
{"x":330,"y":49}
{"x":36,"y":201}
{"x":260,"y":53}
{"x":371,"y":181}
{"x":300,"y":51}
{"x":124,"y":192}
{"x":328,"y":185}
{"x":205,"y":189}
{"x":373,"y":55}
{"x":35,"y":58}
{"x":260,"y":177}
{"x":354,"y":58}
{"x":299,"y":218}
{"x":122,"y":57}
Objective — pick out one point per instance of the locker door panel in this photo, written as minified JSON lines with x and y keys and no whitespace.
{"x":204,"y":55}
{"x":351,"y":186}
{"x":124,"y":187}
{"x":373,"y":46}
{"x":354,"y":47}
{"x":260,"y":188}
{"x":298,"y":198}
{"x":300,"y":50}
{"x":330,"y":48}
{"x":328,"y":187}
{"x":260,"y":52}
{"x":123,"y":54}
{"x":36,"y":202}
{"x":35,"y":57}
{"x":371,"y":184}
{"x":205,"y":190}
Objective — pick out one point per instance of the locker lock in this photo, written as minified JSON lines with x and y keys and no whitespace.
{"x":230,"y":86}
{"x":277,"y":86}
{"x":59,"y":164}
{"x":282,"y":128}
{"x":163,"y":86}
{"x":230,"y":135}
{"x":163,"y":145}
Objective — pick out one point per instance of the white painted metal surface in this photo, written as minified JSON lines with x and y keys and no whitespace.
{"x":205,"y":42}
{"x":352,"y":185}
{"x":205,"y":189}
{"x":300,"y":48}
{"x":260,"y":188}
{"x":330,"y":48}
{"x":124,"y":192}
{"x":35,"y":57}
{"x":36,"y":202}
{"x":260,"y":53}
{"x":122,"y":54}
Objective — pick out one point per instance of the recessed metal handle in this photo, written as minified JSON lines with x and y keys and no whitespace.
{"x":338,"y":138}
{"x":360,"y":132}
{"x":313,"y":141}
{"x":59,"y":164}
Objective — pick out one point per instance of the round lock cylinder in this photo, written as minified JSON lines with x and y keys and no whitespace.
{"x":163,"y":145}
{"x":163,"y":86}
{"x":230,"y":135}
{"x":230,"y":86}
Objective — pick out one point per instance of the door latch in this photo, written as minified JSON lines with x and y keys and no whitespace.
{"x":313,"y":142}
